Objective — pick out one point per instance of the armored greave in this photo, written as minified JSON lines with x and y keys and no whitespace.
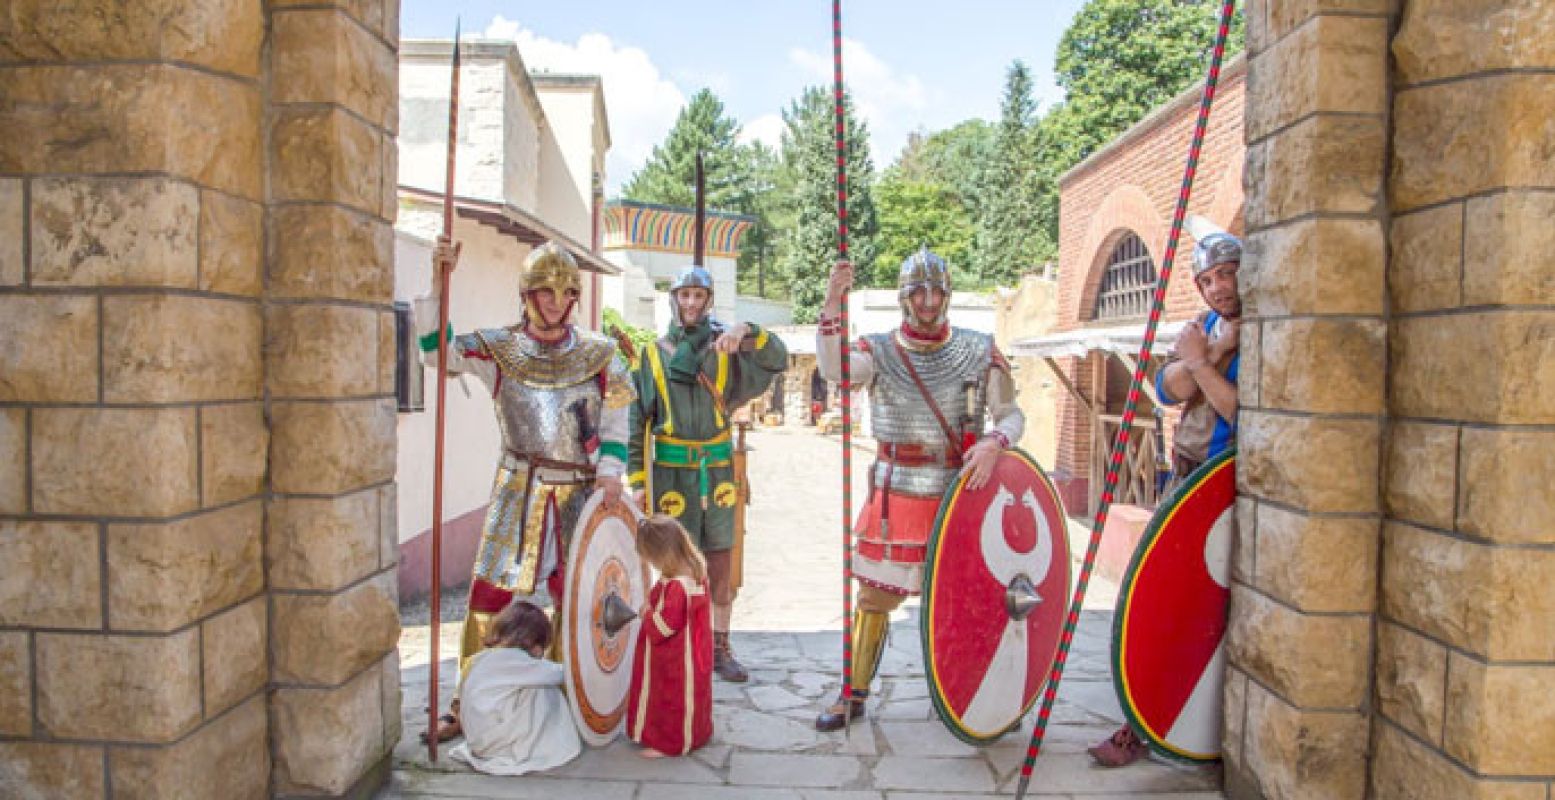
{"x":869,"y":635}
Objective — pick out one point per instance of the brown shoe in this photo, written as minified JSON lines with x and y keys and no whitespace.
{"x":724,"y":662}
{"x":837,"y":717}
{"x":1119,"y":750}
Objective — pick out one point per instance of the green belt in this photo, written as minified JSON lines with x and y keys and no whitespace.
{"x":701,"y":455}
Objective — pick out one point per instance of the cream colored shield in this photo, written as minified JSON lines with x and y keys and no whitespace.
{"x":603,"y":571}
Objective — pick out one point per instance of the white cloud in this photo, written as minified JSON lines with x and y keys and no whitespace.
{"x":893,"y":103}
{"x":767,"y":129}
{"x":641,"y":102}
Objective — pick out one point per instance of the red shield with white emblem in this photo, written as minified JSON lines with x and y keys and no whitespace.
{"x":996,"y":586}
{"x":606,"y":583}
{"x":1168,"y":653}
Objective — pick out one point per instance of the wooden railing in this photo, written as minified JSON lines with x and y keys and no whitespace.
{"x":1137,"y":479}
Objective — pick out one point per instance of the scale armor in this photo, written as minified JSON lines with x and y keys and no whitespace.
{"x":956,"y":375}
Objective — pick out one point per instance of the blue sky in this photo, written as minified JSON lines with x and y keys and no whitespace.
{"x":912,"y":65}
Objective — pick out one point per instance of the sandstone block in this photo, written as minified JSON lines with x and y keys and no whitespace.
{"x":1314,"y":266}
{"x":1411,"y":674}
{"x":323,"y":640}
{"x":318,"y":351}
{"x":1295,"y":753}
{"x":1278,"y":18}
{"x":115,"y":232}
{"x":233,"y":443}
{"x":323,"y":544}
{"x":1332,"y":64}
{"x":231,"y":244}
{"x":386,"y":352}
{"x":1509,"y":252}
{"x":1422,"y":473}
{"x":389,"y":686}
{"x":331,"y":447}
{"x":228,"y":758}
{"x":1311,"y":660}
{"x":16,"y":685}
{"x":1466,"y":137}
{"x":1322,"y":164}
{"x":51,"y":348}
{"x":40,"y":771}
{"x":1426,"y":271}
{"x":329,"y":252}
{"x":118,"y":118}
{"x":308,"y":726}
{"x":119,"y":688}
{"x":388,"y":526}
{"x":1496,"y":366}
{"x":323,"y":56}
{"x":373,"y":14}
{"x":1485,"y":600}
{"x":1244,"y":553}
{"x":13,"y":460}
{"x":389,"y":194}
{"x":1503,"y":485}
{"x":1313,"y":463}
{"x":51,"y":577}
{"x":223,"y":35}
{"x":1324,"y":365}
{"x":165,"y":575}
{"x":325,"y":155}
{"x":1445,"y":39}
{"x":1320,"y":564}
{"x":80,"y":457}
{"x":13,"y":223}
{"x":1402,"y":767}
{"x":1235,"y":713}
{"x":1498,"y":717}
{"x":233,"y":647}
{"x":1249,"y":385}
{"x":175,"y":348}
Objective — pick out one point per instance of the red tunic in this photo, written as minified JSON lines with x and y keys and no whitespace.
{"x":671,"y":705}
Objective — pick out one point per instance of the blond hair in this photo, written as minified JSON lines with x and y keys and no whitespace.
{"x":665,"y":544}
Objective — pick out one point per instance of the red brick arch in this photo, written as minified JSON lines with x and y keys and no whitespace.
{"x":1126,"y":209}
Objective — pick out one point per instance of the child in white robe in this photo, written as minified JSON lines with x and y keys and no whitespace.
{"x":515,"y":717}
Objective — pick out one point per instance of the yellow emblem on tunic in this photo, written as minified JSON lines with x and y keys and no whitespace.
{"x":725,"y":495}
{"x":672,"y":503}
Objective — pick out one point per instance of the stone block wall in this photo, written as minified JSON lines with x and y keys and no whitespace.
{"x":1313,"y":401}
{"x":196,"y":423}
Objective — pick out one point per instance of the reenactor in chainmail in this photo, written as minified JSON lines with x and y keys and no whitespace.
{"x":933,"y":390}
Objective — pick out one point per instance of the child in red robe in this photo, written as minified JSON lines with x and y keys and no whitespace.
{"x":670,"y":710}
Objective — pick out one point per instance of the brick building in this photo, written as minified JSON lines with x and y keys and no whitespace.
{"x":1115,"y":211}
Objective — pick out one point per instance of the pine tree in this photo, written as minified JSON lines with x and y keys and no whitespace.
{"x":1009,"y":237}
{"x":669,"y":177}
{"x":809,"y":154}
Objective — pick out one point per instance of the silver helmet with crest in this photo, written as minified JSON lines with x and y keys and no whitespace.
{"x":923,"y":270}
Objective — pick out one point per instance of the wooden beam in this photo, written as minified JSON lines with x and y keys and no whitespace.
{"x":1146,"y":385}
{"x":1064,"y":379}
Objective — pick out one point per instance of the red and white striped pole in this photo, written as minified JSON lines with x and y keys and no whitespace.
{"x":841,"y":121}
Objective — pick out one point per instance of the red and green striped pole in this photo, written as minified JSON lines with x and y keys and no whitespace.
{"x":847,"y":366}
{"x":1120,"y":443}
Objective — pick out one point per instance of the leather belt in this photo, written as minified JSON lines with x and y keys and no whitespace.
{"x":917,"y":455}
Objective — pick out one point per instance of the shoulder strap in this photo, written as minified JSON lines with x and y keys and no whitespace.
{"x":950,"y":436}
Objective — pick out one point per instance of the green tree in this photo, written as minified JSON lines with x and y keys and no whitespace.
{"x":809,"y":155}
{"x":1010,"y":236}
{"x":914,"y":213}
{"x":669,"y":177}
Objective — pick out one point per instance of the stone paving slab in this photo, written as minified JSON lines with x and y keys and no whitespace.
{"x":475,"y":785}
{"x":924,"y":739}
{"x":933,"y":774}
{"x":782,"y":769}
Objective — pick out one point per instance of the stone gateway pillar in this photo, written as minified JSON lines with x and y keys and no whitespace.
{"x":1391,"y":618}
{"x":196,"y":419}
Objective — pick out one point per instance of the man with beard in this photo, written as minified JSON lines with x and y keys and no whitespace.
{"x":561,"y":395}
{"x":930,"y":388}
{"x":1201,"y":375}
{"x":688,"y":385}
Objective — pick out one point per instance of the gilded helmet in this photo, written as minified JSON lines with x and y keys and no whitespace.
{"x":923,"y":270}
{"x":549,"y":266}
{"x":1215,"y":248}
{"x":693,"y":276}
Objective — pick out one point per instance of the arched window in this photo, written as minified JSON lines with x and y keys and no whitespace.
{"x":1127,"y":283}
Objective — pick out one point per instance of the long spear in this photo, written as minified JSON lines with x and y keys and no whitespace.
{"x":442,"y":278}
{"x":1120,"y":443}
{"x":847,"y":367}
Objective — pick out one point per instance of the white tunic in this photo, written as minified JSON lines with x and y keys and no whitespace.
{"x":514,"y":715}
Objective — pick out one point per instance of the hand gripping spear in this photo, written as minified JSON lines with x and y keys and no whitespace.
{"x":442,"y":278}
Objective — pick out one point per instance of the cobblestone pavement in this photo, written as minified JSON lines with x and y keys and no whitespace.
{"x":787,"y":632}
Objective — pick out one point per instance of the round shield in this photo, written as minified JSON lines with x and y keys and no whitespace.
{"x":606,"y":583}
{"x":996,"y":586}
{"x":1168,"y":657}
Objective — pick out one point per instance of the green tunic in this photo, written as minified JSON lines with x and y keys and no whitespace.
{"x":691,"y":454}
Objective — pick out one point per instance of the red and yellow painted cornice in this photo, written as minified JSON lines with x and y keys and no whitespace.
{"x":648,"y":226}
